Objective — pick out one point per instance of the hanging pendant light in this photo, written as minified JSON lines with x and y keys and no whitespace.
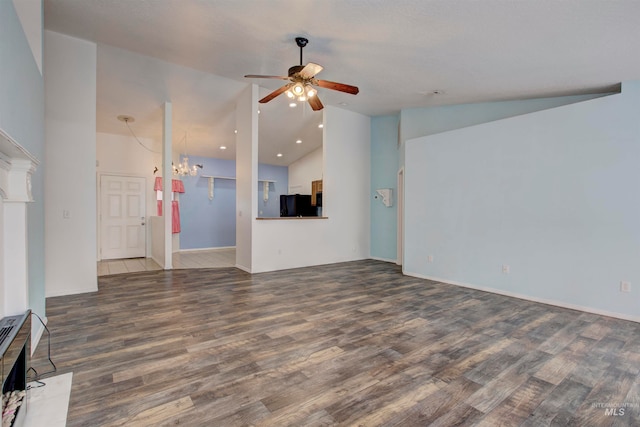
{"x":183,"y":168}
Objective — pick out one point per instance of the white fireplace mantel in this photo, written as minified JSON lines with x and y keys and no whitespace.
{"x":16,"y":167}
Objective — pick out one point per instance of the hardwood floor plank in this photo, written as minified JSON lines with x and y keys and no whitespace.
{"x":568,"y":396}
{"x":338,"y":345}
{"x":519,"y":405}
{"x":153,"y":416}
{"x":436,"y":405}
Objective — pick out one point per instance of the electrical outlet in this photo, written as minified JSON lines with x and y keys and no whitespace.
{"x":505,"y":269}
{"x":430,"y":258}
{"x":625,"y":286}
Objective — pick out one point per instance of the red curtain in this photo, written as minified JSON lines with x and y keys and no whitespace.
{"x":175,"y":217}
{"x":177,"y":186}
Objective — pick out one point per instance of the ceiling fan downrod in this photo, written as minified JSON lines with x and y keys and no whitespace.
{"x":301,"y":42}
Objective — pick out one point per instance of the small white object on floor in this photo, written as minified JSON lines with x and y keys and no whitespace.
{"x":47,"y":406}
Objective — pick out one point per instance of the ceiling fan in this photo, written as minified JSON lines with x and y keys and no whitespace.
{"x":301,"y":81}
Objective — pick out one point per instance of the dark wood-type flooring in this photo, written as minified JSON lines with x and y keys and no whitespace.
{"x":353,"y":344}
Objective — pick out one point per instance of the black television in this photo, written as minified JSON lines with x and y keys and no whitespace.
{"x":296,"y":205}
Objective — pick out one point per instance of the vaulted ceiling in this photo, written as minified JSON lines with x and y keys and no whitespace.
{"x":401,"y":54}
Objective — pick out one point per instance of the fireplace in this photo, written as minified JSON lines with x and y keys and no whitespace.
{"x":17,"y":166}
{"x":15,"y":352}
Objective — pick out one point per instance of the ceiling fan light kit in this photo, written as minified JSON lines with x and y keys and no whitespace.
{"x":302,"y":81}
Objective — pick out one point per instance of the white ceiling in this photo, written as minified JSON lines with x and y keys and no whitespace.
{"x":195,"y":53}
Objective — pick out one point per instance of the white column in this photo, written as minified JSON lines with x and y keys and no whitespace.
{"x":246,"y":175}
{"x":167,"y":175}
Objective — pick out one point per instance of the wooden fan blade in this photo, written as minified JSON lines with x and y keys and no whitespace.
{"x":338,"y":86}
{"x":275,"y":93}
{"x":315,"y":103}
{"x":258,"y":76}
{"x":310,"y":70}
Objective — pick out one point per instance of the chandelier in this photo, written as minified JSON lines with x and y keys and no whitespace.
{"x":183,"y":168}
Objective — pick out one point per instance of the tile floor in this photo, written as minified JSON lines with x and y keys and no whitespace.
{"x":211,"y":258}
{"x":48,"y":405}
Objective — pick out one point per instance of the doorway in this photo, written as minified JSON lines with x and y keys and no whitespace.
{"x":122,"y":217}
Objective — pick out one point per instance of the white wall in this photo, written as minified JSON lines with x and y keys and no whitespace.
{"x":304,"y":170}
{"x":70,"y":154}
{"x":246,"y":175}
{"x":552,"y":194}
{"x":344,"y":236}
{"x":123,"y":155}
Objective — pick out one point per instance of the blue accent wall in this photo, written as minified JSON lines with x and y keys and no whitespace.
{"x":212,"y":223}
{"x":387,"y":158}
{"x":384,"y":174}
{"x":416,"y":122}
{"x":552,"y":194}
{"x":22,"y":117}
{"x":208,"y":223}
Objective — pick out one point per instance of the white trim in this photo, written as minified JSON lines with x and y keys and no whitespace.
{"x":11,"y":148}
{"x":35,"y":336}
{"x":243,"y":268}
{"x":400,"y":217}
{"x":217,"y":248}
{"x":70,"y":291}
{"x":393,"y":261}
{"x":530,"y":298}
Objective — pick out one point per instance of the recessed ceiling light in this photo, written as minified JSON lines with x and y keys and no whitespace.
{"x":321,"y":125}
{"x":298,"y":141}
{"x":279,"y":155}
{"x":222,"y":147}
{"x":235,"y":131}
{"x":293,"y":104}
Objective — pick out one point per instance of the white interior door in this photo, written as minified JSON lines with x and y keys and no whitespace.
{"x":122,"y":217}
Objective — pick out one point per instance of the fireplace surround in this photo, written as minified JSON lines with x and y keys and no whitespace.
{"x":16,"y":168}
{"x":15,"y":352}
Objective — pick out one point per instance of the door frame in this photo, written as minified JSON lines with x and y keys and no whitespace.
{"x":400,"y":219}
{"x":99,"y":210}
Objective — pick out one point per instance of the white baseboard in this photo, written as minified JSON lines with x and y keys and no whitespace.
{"x":393,"y":261}
{"x":529,"y":298}
{"x":206,"y":249}
{"x":37,"y":329}
{"x":243,"y":268}
{"x":65,"y":292}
